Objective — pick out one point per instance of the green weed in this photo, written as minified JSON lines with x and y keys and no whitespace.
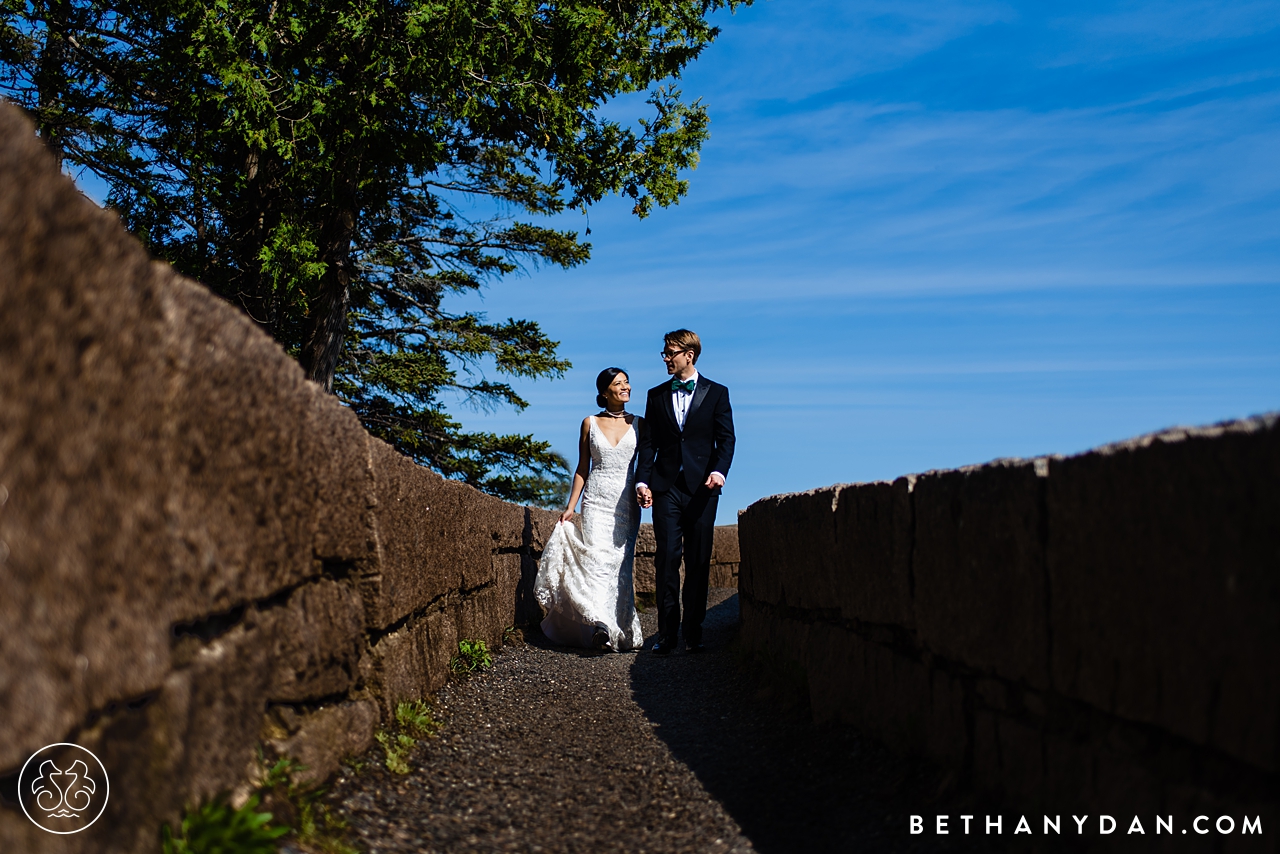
{"x":322,"y":831}
{"x":316,"y":827}
{"x":216,"y":828}
{"x":473,"y":657}
{"x":414,"y":720}
{"x":419,"y":718}
{"x":396,"y":747}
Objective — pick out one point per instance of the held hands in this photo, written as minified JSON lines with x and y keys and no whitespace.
{"x":644,"y":496}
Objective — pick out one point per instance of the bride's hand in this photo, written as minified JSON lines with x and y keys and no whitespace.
{"x":566,"y":515}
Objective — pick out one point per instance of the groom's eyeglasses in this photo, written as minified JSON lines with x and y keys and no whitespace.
{"x":668,"y":355}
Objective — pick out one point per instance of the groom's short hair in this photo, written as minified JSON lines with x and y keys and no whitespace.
{"x":684,"y":339}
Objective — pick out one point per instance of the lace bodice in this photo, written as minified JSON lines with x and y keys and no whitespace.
{"x":608,"y":497}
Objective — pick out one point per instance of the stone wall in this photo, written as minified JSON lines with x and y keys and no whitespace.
{"x":724,"y":558}
{"x":1096,"y":633}
{"x":200,"y":550}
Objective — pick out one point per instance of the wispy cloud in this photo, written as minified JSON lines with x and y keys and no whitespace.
{"x":1134,"y":28}
{"x":933,"y":233}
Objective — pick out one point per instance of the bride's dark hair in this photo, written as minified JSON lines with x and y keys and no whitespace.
{"x":603,"y":381}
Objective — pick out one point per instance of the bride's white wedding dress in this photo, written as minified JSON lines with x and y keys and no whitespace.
{"x":585,"y":576}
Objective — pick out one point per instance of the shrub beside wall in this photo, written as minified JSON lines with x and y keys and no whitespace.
{"x":200,"y":551}
{"x":1097,"y":633}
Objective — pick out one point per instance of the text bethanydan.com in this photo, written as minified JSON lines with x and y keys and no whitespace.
{"x":1224,"y":825}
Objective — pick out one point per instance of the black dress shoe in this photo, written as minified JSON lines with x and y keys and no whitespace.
{"x":600,"y":638}
{"x":694,"y":647}
{"x":661,"y":648}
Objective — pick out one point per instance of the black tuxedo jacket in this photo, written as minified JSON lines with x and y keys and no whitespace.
{"x":705,"y":445}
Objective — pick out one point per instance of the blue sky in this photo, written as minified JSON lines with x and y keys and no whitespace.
{"x":930,"y":234}
{"x":924,"y":235}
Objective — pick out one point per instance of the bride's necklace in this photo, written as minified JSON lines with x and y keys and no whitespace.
{"x":621,"y":413}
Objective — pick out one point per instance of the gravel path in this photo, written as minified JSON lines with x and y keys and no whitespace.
{"x":559,"y":750}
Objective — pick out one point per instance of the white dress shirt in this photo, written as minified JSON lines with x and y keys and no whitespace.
{"x":681,"y":400}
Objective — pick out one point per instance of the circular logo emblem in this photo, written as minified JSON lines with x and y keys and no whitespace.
{"x":63,"y":788}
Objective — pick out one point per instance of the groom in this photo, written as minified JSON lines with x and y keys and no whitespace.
{"x":684,"y":454}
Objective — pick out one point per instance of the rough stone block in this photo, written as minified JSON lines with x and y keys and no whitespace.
{"x":1163,"y":564}
{"x":508,"y":573}
{"x":242,"y":527}
{"x":1124,"y":786}
{"x":516,"y":568}
{"x":896,"y":698}
{"x":644,"y":574}
{"x":724,"y":558}
{"x":441,"y":644}
{"x":482,"y":616}
{"x":316,"y":641}
{"x":337,"y":448}
{"x":725,"y":549}
{"x":645,"y":541}
{"x":789,"y":553}
{"x":723,"y":575}
{"x":525,"y":609}
{"x":191,"y":740}
{"x":400,"y":666}
{"x":83,"y":449}
{"x":434,"y":536}
{"x":19,"y":834}
{"x":328,"y":736}
{"x":540,"y":525}
{"x":1186,"y":802}
{"x":873,"y":561}
{"x":980,"y":592}
{"x":643,"y":569}
{"x":1070,"y":773}
{"x":843,"y":549}
{"x":781,"y":646}
{"x":141,"y":745}
{"x":221,"y":697}
{"x":411,"y":662}
{"x":509,"y":526}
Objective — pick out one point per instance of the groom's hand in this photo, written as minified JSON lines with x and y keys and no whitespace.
{"x":644,"y":496}
{"x":714,"y":479}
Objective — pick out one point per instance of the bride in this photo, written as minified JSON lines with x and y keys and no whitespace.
{"x":585,"y":577}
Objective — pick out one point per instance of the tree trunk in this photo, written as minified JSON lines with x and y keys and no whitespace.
{"x":247,"y":227}
{"x":327,"y":322}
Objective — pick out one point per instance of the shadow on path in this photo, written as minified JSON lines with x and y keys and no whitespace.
{"x":791,"y":786}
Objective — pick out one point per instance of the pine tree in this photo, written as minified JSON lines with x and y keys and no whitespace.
{"x":316,"y":164}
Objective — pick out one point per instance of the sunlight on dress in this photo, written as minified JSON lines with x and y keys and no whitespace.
{"x":585,"y":576}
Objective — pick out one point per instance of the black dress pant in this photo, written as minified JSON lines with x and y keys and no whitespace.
{"x":684,"y":527}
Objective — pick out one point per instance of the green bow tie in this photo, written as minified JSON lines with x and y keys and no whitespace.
{"x":687,"y":385}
